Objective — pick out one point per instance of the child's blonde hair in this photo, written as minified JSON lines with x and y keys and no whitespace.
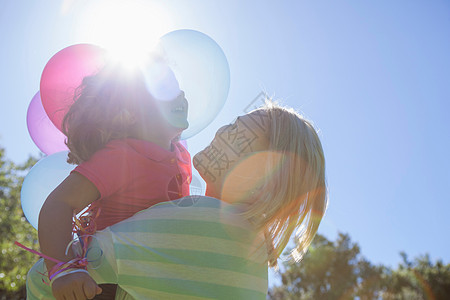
{"x":106,"y":106}
{"x":293,"y":195}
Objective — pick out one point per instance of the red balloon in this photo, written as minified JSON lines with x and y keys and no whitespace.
{"x":63,"y":73}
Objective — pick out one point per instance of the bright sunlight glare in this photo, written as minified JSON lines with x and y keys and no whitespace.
{"x":129,"y":30}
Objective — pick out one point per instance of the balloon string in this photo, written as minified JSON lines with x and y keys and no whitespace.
{"x":60,"y":266}
{"x":84,"y":226}
{"x":37,"y":252}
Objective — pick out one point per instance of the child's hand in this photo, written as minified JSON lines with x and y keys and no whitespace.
{"x":75,"y":286}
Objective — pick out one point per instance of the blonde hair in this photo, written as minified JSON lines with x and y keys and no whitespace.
{"x":106,"y":107}
{"x":293,"y":194}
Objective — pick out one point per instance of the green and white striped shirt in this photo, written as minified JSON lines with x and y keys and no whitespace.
{"x":193,"y":248}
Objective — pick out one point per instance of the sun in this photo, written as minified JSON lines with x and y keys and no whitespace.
{"x":129,"y":30}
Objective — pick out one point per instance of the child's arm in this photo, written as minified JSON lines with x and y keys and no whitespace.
{"x":55,"y":232}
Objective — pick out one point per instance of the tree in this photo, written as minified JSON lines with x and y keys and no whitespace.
{"x":419,"y":279}
{"x":15,"y":262}
{"x":330,"y":271}
{"x":337,"y":270}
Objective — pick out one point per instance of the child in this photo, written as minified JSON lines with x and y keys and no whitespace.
{"x":125,"y":144}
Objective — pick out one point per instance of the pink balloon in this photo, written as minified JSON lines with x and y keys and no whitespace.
{"x":63,"y":73}
{"x":44,"y":134}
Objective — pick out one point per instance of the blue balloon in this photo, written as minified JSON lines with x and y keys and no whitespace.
{"x":42,"y":179}
{"x":202,"y":71}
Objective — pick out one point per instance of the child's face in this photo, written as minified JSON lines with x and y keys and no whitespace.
{"x":164,"y":120}
{"x":175,"y":112}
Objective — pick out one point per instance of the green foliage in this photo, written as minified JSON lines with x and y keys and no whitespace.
{"x":15,"y":262}
{"x":337,"y":270}
{"x":419,"y":279}
{"x":330,"y":271}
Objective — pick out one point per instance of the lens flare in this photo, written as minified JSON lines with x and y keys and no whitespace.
{"x":128,"y":30}
{"x":424,"y":285}
{"x":246,"y":178}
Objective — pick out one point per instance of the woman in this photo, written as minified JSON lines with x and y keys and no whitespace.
{"x":271,"y":163}
{"x":268,"y":170}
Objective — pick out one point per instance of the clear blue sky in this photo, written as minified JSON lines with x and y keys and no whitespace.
{"x":374,"y":76}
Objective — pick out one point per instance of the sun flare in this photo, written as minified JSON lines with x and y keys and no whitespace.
{"x":129,"y":30}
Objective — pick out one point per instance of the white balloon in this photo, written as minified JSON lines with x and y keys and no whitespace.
{"x":42,"y":179}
